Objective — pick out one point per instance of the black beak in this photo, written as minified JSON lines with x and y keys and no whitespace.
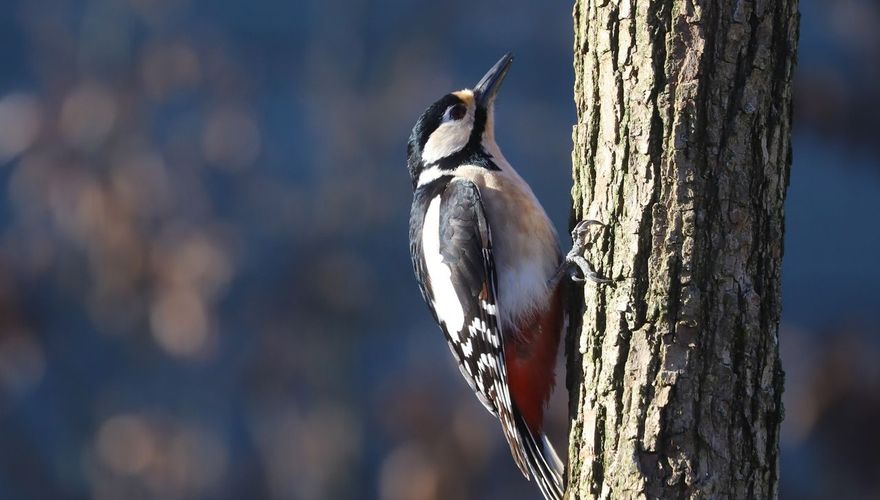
{"x":488,"y":86}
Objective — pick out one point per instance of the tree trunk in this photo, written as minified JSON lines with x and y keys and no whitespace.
{"x":682,"y":148}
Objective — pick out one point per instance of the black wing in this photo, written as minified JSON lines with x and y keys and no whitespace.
{"x":452,"y":256}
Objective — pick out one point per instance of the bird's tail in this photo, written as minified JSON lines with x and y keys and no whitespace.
{"x":544,"y":464}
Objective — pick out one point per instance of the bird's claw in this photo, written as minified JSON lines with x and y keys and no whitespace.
{"x":575,"y":261}
{"x":581,"y":264}
{"x":582,"y":226}
{"x":578,"y":234}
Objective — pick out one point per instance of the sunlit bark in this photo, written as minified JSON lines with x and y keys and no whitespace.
{"x":682,"y":147}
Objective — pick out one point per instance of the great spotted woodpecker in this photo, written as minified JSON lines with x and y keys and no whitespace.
{"x":488,"y":263}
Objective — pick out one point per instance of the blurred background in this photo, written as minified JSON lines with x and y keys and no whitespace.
{"x":205,"y":288}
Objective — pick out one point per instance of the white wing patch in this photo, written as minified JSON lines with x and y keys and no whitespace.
{"x":446,"y":304}
{"x":478,"y":329}
{"x":489,"y":308}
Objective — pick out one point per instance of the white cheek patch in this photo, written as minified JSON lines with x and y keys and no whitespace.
{"x":449,"y":138}
{"x":446,"y":303}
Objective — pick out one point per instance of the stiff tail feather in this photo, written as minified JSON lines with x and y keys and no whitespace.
{"x":543,"y":462}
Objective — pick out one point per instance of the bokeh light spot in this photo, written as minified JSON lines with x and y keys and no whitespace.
{"x":20,"y":119}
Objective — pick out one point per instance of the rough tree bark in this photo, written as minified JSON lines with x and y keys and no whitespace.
{"x":682,"y":147}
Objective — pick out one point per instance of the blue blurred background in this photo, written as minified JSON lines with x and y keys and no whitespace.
{"x":205,"y":289}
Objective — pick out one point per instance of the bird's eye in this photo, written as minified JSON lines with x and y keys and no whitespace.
{"x":456,"y":112}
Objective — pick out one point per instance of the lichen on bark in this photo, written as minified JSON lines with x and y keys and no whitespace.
{"x":682,"y":147}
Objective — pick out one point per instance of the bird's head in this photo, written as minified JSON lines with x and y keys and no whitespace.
{"x":456,"y":129}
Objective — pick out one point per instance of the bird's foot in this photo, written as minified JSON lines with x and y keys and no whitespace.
{"x":578,"y":268}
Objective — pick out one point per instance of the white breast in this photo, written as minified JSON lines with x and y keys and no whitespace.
{"x":524,"y":241}
{"x":522,"y":286}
